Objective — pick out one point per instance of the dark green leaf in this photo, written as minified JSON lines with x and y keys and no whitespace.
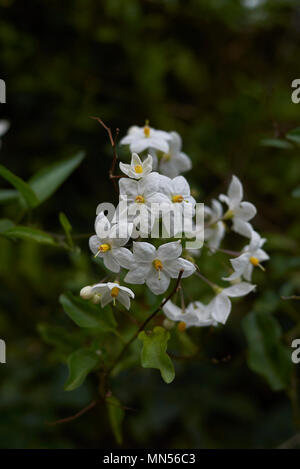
{"x":47,"y":180}
{"x":276,"y":143}
{"x":86,"y":314}
{"x":8,"y":195}
{"x":80,"y":363}
{"x":267,"y":356}
{"x":59,"y":337}
{"x":154,"y":353}
{"x":116,"y":415}
{"x":25,"y":190}
{"x":5,"y":224}
{"x":31,"y":234}
{"x":294,"y":135}
{"x":67,"y":227}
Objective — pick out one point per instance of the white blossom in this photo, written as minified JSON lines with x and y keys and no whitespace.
{"x":144,"y":138}
{"x":4,"y":126}
{"x":215,"y":228}
{"x":195,"y":314}
{"x":156,"y":267}
{"x":107,"y":244}
{"x":174,"y":162}
{"x":220,"y":306}
{"x":178,"y":192}
{"x":240,"y":212}
{"x":110,"y":292}
{"x":137,"y":169}
{"x":252,"y":256}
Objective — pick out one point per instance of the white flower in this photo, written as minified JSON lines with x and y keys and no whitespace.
{"x":156,"y":266}
{"x":174,"y":161}
{"x":215,"y":230}
{"x":195,"y":314}
{"x":251,"y":257}
{"x":111,"y":292}
{"x":137,"y":169}
{"x":178,"y":192}
{"x":143,"y":138}
{"x":107,"y":244}
{"x":4,"y":126}
{"x":141,"y":195}
{"x":220,"y":307}
{"x":240,"y":212}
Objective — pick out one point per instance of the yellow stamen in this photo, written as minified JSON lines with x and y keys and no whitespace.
{"x":228,"y":215}
{"x":104,"y":247}
{"x":158,"y":264}
{"x":254,"y":261}
{"x":181,"y":326}
{"x":147,"y":131}
{"x":177,"y":198}
{"x":114,"y":292}
{"x":138,"y":168}
{"x":139,"y":199}
{"x":166,"y":156}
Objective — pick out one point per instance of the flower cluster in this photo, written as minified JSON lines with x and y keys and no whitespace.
{"x":154,"y":188}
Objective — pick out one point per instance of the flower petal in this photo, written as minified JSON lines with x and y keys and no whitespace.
{"x":245,"y":211}
{"x":235,"y":192}
{"x":143,"y":252}
{"x":169,"y":251}
{"x":220,"y":308}
{"x":240,"y":289}
{"x":110,"y":263}
{"x":158,"y":282}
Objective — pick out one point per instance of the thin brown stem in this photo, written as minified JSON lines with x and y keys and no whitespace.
{"x":75,"y":416}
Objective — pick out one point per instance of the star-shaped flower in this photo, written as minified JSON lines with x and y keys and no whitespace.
{"x":174,"y":162}
{"x":144,"y":138}
{"x":110,"y":292}
{"x":178,"y":192}
{"x":107,"y":242}
{"x":4,"y":126}
{"x":251,"y":257}
{"x":220,"y":307}
{"x":156,"y":266}
{"x":240,"y":212}
{"x":137,"y":169}
{"x":195,"y":314}
{"x":215,"y":228}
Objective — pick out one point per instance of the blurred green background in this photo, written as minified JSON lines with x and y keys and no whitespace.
{"x":217,"y":71}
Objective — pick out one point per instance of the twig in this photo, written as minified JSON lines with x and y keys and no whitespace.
{"x":75,"y":416}
{"x":293,"y":297}
{"x":144,"y":324}
{"x":113,"y":142}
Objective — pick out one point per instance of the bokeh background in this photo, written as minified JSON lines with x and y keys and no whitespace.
{"x":217,"y":71}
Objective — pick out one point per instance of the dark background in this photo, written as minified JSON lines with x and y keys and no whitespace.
{"x":219,"y":72}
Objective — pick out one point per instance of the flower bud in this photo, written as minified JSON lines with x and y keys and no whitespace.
{"x":86,"y":293}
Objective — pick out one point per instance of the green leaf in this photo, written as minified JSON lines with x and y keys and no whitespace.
{"x":116,"y":416}
{"x":294,"y":135}
{"x":67,"y":227}
{"x":86,"y":314}
{"x":58,"y":337}
{"x":154,"y":353}
{"x":80,"y":363}
{"x":5,"y":224}
{"x":276,"y":143}
{"x":267,"y":356}
{"x":30,"y":234}
{"x":296,"y":192}
{"x":47,"y":180}
{"x":25,"y":190}
{"x":8,"y":195}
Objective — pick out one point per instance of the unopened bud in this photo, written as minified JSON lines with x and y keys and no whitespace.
{"x":86,"y":293}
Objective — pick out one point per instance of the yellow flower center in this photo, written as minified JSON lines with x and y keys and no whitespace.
{"x":147,"y":131}
{"x":177,"y":199}
{"x":114,"y":292}
{"x":139,"y":199}
{"x":254,"y":261}
{"x":138,"y":168}
{"x":166,"y":156}
{"x":158,"y":264}
{"x":181,"y":326}
{"x":228,"y":215}
{"x":104,"y":247}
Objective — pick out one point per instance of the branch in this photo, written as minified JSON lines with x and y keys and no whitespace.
{"x":75,"y":416}
{"x":113,"y":142}
{"x":144,"y":324}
